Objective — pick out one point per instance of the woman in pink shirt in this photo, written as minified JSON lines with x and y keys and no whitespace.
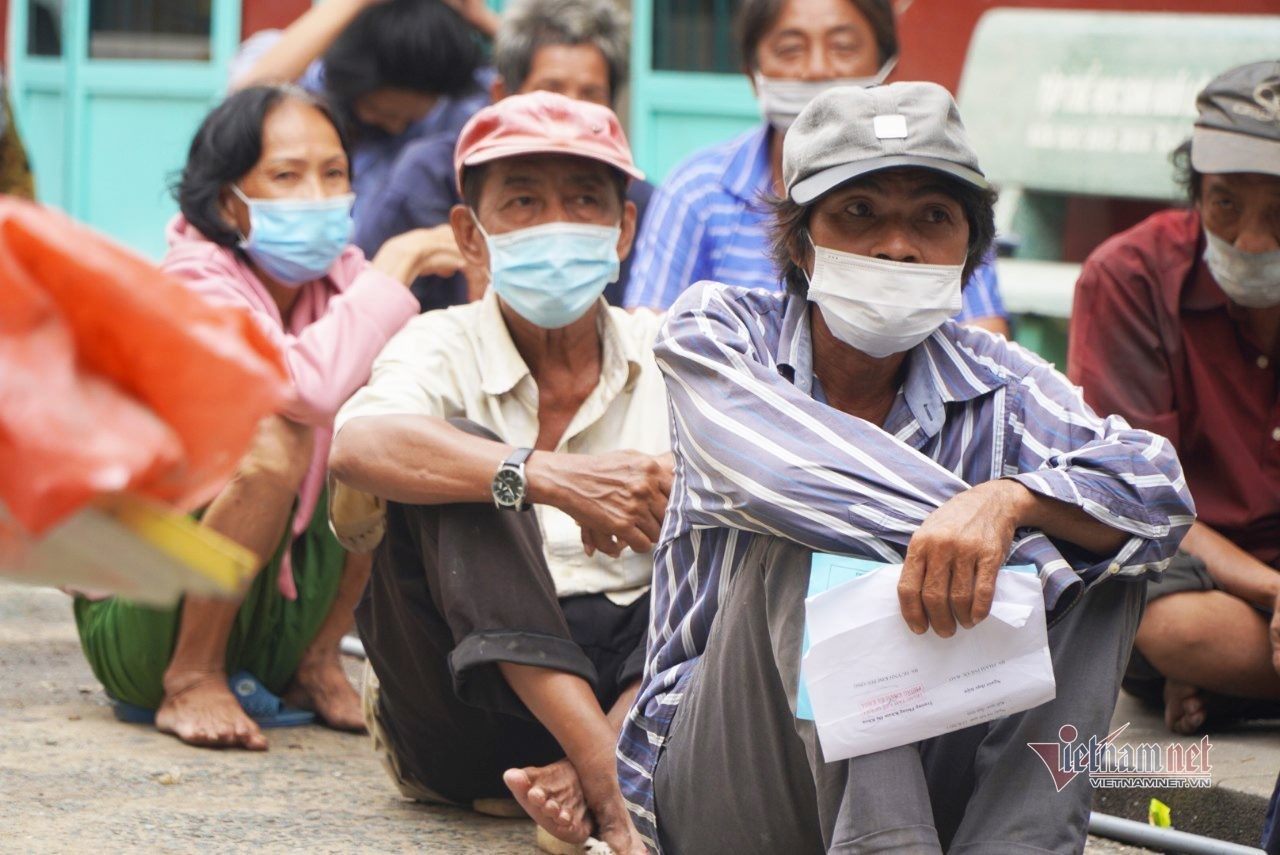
{"x":265,"y":224}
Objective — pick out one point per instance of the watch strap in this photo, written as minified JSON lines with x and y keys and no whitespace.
{"x":517,"y":458}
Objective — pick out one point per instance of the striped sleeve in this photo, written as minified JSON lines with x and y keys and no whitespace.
{"x":1130,"y":480}
{"x":756,"y":453}
{"x":668,"y":256}
{"x":982,"y":295}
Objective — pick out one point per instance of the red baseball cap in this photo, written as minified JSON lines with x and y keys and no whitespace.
{"x":543,"y":123}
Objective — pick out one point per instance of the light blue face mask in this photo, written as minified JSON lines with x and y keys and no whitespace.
{"x":297,"y":240}
{"x":553,"y":273}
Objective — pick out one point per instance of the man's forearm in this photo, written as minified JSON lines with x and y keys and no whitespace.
{"x":1065,"y":522}
{"x":1234,"y":570}
{"x":417,"y":460}
{"x":617,"y":714}
{"x":302,"y":42}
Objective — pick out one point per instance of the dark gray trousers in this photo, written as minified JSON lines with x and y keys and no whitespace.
{"x":455,"y":590}
{"x":741,"y":774}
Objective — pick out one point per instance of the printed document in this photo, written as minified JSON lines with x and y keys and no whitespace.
{"x":872,"y":684}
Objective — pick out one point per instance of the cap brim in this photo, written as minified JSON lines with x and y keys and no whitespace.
{"x":502,"y":152}
{"x":1214,"y":150}
{"x":820,"y":183}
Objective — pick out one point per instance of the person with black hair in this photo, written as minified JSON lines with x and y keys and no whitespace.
{"x":577,"y":48}
{"x":396,"y":70}
{"x":265,"y":224}
{"x":708,"y":221}
{"x":850,"y":415}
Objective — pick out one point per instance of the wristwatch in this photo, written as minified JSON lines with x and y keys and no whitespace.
{"x":509,"y":486}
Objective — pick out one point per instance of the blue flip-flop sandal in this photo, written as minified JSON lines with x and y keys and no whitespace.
{"x":255,"y":699}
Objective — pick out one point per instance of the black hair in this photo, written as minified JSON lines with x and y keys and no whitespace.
{"x":473,"y":180}
{"x":226,"y":146}
{"x":419,"y":45}
{"x":757,"y":17}
{"x":789,"y":232}
{"x":1186,"y":175}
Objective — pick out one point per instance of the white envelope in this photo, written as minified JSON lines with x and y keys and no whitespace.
{"x":874,"y":684}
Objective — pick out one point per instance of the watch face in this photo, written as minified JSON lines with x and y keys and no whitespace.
{"x":508,"y":488}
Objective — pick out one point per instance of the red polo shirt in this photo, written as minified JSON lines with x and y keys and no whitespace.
{"x":1154,"y":339}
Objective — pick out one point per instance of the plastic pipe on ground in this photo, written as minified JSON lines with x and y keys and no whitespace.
{"x":1163,"y":839}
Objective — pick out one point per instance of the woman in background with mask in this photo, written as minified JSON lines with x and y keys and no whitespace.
{"x":708,"y":220}
{"x":396,"y":70}
{"x":266,"y":224}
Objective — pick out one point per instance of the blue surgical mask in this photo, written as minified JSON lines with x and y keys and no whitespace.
{"x":296,"y":241}
{"x":553,"y":273}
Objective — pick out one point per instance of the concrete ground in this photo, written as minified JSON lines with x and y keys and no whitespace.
{"x":72,"y":779}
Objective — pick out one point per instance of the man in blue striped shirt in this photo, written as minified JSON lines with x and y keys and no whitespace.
{"x":873,"y":426}
{"x":707,"y":220}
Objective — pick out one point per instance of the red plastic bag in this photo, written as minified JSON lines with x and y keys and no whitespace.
{"x":115,"y":376}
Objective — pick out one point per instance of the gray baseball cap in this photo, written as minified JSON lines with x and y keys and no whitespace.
{"x":849,"y":131}
{"x":1238,"y":129}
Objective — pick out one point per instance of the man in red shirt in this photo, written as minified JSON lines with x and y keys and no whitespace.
{"x":1176,"y":327}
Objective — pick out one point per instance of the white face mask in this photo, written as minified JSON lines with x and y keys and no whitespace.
{"x":882,"y":307}
{"x":1250,"y":279}
{"x":781,"y":99}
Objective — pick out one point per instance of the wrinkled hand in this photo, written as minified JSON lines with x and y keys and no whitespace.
{"x":618,"y":498}
{"x":420,"y":252}
{"x":952,"y":560}
{"x":1275,"y":635}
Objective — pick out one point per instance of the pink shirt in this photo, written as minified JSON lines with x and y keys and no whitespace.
{"x":329,"y":341}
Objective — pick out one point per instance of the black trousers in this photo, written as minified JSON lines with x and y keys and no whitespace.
{"x":455,"y":590}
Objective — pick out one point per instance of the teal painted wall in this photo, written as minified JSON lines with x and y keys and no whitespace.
{"x":674,"y":112}
{"x":106,"y":135}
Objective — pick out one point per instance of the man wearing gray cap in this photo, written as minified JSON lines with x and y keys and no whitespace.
{"x":1177,"y":328}
{"x":850,"y":415}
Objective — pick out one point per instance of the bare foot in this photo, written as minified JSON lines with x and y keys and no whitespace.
{"x":604,"y":800}
{"x":321,"y":685}
{"x":552,"y":796}
{"x":1184,"y":710}
{"x":199,"y":709}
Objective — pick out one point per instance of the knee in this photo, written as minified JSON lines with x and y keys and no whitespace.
{"x":279,"y":457}
{"x":1174,"y":624}
{"x":468,"y":426}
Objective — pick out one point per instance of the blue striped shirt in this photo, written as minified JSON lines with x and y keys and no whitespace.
{"x":706,"y":222}
{"x":758,"y":452}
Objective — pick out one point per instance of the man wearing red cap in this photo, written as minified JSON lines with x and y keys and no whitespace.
{"x":518,"y":451}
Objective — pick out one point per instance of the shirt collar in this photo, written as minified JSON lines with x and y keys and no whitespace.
{"x":746,"y":174}
{"x":794,"y":354}
{"x":502,"y":367}
{"x":940,"y":370}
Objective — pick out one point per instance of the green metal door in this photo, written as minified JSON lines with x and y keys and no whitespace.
{"x":687,"y":88}
{"x":108,"y":93}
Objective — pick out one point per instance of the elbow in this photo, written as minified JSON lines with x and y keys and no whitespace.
{"x":344,"y":456}
{"x":311,"y":401}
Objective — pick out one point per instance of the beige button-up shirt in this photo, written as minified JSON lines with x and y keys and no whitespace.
{"x":461,"y":362}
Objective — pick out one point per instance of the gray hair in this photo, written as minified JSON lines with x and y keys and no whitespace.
{"x":529,"y":25}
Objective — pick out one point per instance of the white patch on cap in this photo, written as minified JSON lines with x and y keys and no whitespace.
{"x":891,"y":127}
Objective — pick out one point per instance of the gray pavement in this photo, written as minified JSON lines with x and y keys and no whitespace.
{"x":72,"y":779}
